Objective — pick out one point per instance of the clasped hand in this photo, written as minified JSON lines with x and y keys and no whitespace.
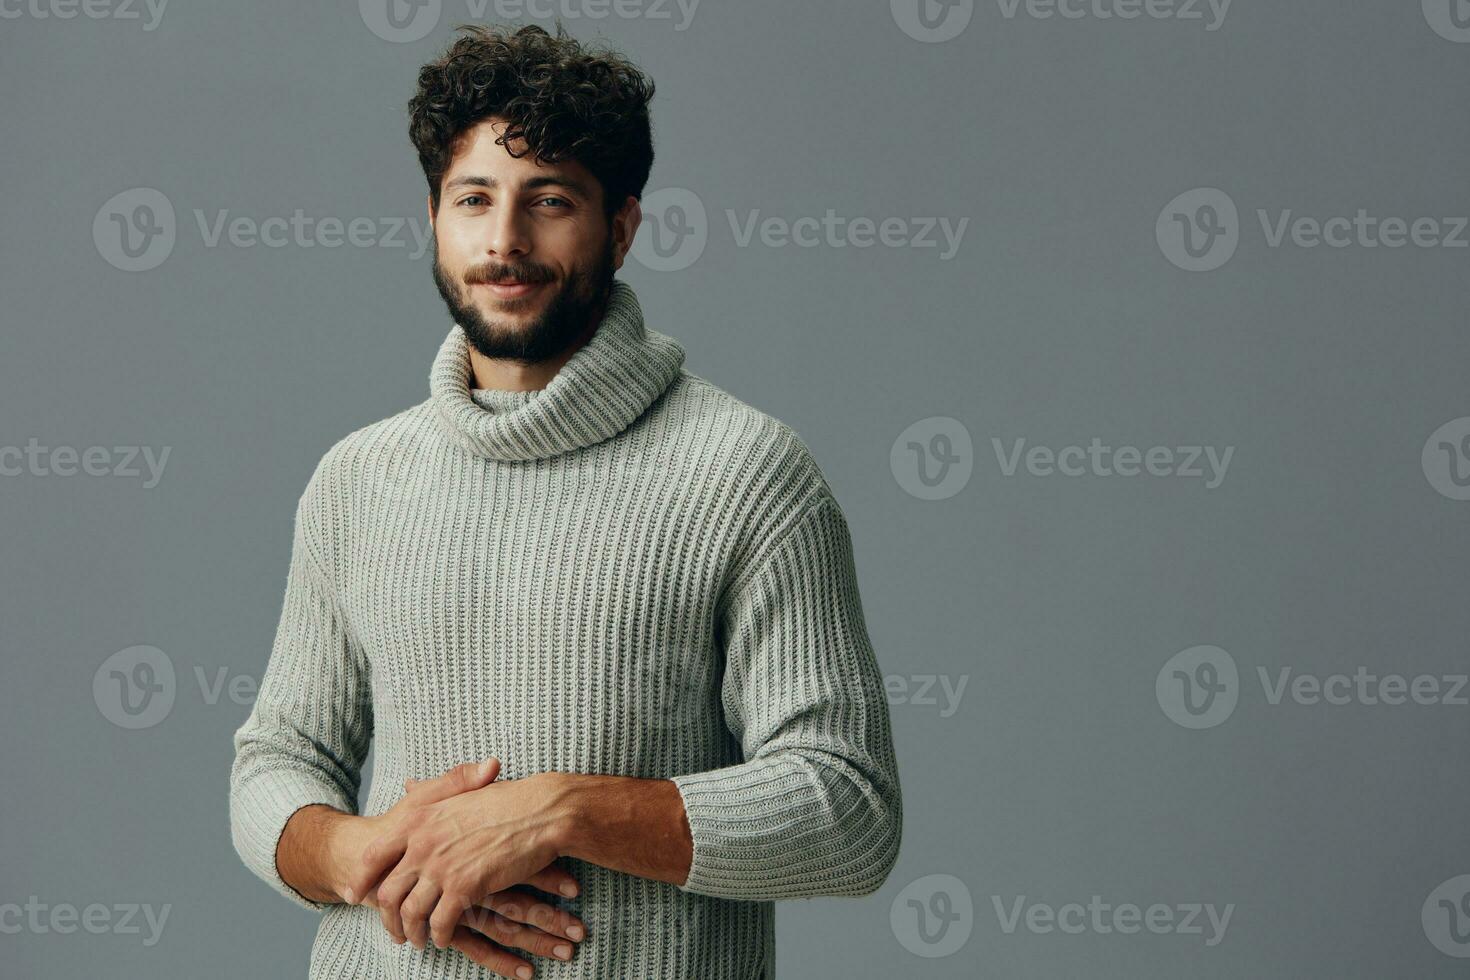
{"x":445,"y":858}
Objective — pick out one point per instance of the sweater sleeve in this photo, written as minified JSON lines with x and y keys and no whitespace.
{"x":308,"y":732}
{"x":815,"y":808}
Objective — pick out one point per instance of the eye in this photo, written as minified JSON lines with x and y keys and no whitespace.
{"x":561,"y":201}
{"x":471,"y":198}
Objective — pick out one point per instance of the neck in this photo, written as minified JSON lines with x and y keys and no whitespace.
{"x":510,"y":375}
{"x":602,"y":389}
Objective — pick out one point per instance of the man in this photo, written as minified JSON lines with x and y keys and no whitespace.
{"x":598,"y":618}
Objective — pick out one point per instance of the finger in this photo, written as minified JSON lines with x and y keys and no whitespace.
{"x":524,"y":907}
{"x":380,"y":857}
{"x":490,"y":956}
{"x":390,"y":898}
{"x":446,"y":916}
{"x":493,"y":925}
{"x":555,"y":881}
{"x":461,"y":779}
{"x":416,"y":910}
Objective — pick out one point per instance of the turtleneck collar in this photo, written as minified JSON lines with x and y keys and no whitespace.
{"x":602,"y":388}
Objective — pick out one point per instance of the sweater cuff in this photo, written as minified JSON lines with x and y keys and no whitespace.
{"x":264,"y":805}
{"x":739,"y":817}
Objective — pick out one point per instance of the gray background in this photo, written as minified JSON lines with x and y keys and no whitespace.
{"x":1059,"y":776}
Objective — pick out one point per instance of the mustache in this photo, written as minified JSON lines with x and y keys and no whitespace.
{"x":495,"y":274}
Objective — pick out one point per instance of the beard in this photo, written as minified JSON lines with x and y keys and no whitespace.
{"x":566,"y":316}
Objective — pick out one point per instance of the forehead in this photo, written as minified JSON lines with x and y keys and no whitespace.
{"x":476,"y":152}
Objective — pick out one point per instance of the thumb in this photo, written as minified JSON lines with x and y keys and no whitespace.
{"x":483,"y":773}
{"x":461,"y":779}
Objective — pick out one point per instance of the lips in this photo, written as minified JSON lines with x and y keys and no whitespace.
{"x":511,"y":288}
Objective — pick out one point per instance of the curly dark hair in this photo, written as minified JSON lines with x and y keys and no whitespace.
{"x":566,"y":100}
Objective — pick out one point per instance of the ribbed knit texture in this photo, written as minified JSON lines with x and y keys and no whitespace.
{"x":628,"y":572}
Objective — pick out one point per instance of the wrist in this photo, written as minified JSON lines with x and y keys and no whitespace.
{"x":307,"y":853}
{"x":344,"y":836}
{"x":565,"y":816}
{"x":625,"y":823}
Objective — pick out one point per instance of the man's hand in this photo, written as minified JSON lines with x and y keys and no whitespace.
{"x":335,"y":842}
{"x":462,"y":843}
{"x":515,"y":919}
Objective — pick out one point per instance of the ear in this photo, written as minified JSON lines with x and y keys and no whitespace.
{"x":625,"y":225}
{"x":429,"y":203}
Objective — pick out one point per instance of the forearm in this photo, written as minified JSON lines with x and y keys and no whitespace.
{"x":797,"y":823}
{"x":309,"y":730}
{"x":627,"y":824}
{"x":310,"y":854}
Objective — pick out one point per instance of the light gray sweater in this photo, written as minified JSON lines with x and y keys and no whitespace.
{"x":628,"y":572}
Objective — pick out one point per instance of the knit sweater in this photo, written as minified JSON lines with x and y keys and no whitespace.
{"x":628,"y":572}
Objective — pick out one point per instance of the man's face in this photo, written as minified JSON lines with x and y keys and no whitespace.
{"x":523,"y":255}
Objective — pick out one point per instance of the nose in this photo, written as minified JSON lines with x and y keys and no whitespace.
{"x":508,"y":237}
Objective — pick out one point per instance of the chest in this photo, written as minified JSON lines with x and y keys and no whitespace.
{"x":564,"y":616}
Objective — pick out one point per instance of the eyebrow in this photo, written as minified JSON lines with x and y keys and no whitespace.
{"x":534,"y":183}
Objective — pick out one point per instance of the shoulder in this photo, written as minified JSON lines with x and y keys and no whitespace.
{"x":767,"y":479}
{"x":355,"y":461}
{"x":342,"y":466}
{"x":760,"y":455}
